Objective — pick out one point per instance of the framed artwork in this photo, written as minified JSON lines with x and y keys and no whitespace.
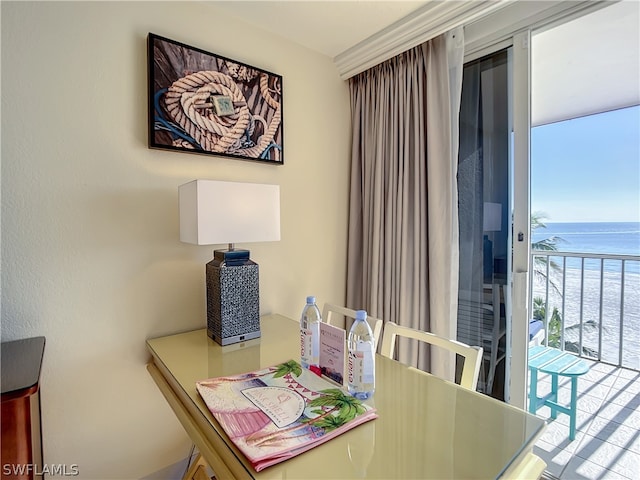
{"x":204,"y":103}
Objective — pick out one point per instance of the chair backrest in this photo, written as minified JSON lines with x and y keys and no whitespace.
{"x":329,"y":310}
{"x":472,"y":355}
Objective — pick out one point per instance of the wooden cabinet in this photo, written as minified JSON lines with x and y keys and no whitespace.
{"x":21,"y":447}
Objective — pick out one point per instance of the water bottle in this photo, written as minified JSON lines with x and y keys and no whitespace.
{"x":310,"y":334}
{"x":361,"y":368}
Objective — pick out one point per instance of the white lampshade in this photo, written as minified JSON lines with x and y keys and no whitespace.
{"x":492,"y":217}
{"x":214,"y":212}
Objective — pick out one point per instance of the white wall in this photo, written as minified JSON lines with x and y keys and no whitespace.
{"x":91,"y":257}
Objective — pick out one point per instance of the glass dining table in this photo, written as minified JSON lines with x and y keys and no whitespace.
{"x":426,"y":427}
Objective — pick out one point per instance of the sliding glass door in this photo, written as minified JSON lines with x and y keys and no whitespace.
{"x":494,"y":215}
{"x":484,"y":209}
{"x":487,"y":185}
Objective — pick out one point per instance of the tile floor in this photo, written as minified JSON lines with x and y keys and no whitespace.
{"x":607,"y":443}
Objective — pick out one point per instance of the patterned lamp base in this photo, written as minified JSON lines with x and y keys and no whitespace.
{"x":233,"y":299}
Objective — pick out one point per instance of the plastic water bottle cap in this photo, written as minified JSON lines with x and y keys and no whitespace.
{"x":361,"y":315}
{"x":311,"y":300}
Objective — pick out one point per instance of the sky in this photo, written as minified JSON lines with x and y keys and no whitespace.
{"x":588,"y":169}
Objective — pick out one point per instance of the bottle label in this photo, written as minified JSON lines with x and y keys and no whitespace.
{"x":360,"y":367}
{"x":315,"y":342}
{"x":305,"y":345}
{"x":310,"y":344}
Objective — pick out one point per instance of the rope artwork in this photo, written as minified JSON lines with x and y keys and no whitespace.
{"x":188,"y":113}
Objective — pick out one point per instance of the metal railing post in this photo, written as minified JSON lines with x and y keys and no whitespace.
{"x":605,"y":352}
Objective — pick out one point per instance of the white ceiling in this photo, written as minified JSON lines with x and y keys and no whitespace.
{"x":597,"y":68}
{"x":327,"y":27}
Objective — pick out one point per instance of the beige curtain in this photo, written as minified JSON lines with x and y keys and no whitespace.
{"x":403,"y":227}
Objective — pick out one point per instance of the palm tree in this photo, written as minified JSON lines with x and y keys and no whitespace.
{"x":540,"y":263}
{"x":549,"y":244}
{"x":555,"y":326}
{"x":555,"y":321}
{"x":334,"y":399}
{"x":290,"y":367}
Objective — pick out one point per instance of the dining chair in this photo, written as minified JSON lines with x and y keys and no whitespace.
{"x":472,"y":355}
{"x":482,"y":321}
{"x":329,"y":311}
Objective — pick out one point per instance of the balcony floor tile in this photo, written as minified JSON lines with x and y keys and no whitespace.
{"x":627,"y":399}
{"x":615,"y":433}
{"x":610,"y":456}
{"x":578,"y":468}
{"x":607,"y":444}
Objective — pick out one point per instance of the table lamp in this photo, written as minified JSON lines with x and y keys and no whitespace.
{"x":214,"y":212}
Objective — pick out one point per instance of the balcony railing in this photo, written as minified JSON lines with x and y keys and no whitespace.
{"x":590,"y":304}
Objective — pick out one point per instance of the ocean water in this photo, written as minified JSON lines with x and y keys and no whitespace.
{"x":593,"y":291}
{"x":616,"y":238}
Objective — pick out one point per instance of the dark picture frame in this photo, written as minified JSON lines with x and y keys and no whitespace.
{"x":200,"y":102}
